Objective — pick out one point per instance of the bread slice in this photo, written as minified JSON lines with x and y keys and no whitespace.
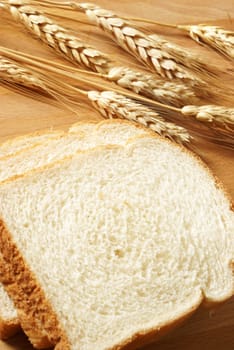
{"x":81,"y":136}
{"x":17,"y":144}
{"x":112,"y":246}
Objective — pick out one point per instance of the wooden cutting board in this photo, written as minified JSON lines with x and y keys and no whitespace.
{"x":207,"y":329}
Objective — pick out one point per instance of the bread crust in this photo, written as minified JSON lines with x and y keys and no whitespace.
{"x":36,"y":315}
{"x":9,"y":328}
{"x":141,"y":339}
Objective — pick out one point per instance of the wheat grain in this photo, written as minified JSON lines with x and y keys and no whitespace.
{"x":218,"y":38}
{"x":57,"y":37}
{"x":187,"y":59}
{"x":113,"y":105}
{"x":210,"y":113}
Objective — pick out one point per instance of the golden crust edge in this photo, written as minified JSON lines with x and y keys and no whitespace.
{"x":36,"y":315}
{"x":8,"y":328}
{"x":140,"y":339}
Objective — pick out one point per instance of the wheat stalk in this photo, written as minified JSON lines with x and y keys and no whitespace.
{"x":57,"y":37}
{"x":113,"y":105}
{"x":218,"y":38}
{"x":210,"y":114}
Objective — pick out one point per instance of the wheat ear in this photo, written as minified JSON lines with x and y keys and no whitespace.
{"x":113,"y":105}
{"x":215,"y":37}
{"x":206,"y":113}
{"x":218,"y":38}
{"x":34,"y":84}
{"x":154,"y":55}
{"x":14,"y":73}
{"x":210,"y":113}
{"x":167,"y":92}
{"x":57,"y":37}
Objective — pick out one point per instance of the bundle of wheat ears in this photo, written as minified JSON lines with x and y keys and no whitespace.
{"x":162,"y":99}
{"x":75,"y":50}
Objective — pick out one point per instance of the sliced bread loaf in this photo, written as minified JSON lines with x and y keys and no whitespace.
{"x":114,"y":245}
{"x":82,"y":136}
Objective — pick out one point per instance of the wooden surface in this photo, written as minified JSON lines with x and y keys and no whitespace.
{"x":208,"y":330}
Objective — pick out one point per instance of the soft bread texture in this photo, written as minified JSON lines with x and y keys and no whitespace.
{"x":115,"y":244}
{"x":17,"y":144}
{"x":81,"y":136}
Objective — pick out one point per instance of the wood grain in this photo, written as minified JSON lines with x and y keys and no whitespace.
{"x":206,"y":330}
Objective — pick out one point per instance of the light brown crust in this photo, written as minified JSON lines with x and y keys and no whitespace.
{"x":9,"y":328}
{"x":141,"y":339}
{"x":35,"y":313}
